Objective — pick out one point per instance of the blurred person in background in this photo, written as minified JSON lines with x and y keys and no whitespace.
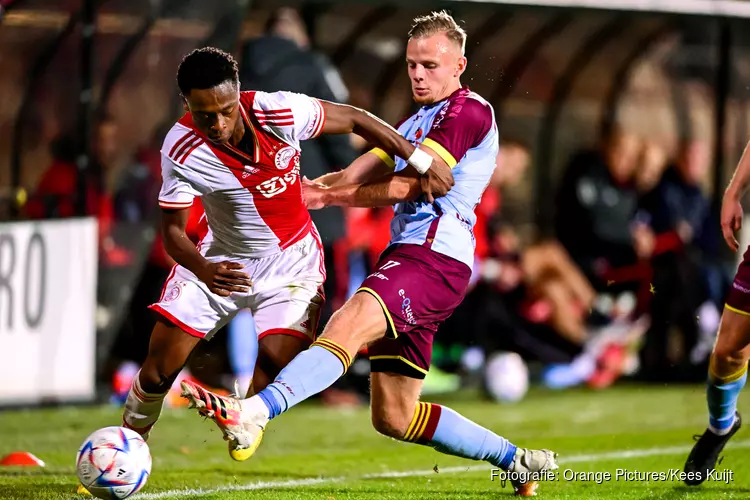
{"x":678,"y":213}
{"x":596,"y":205}
{"x":57,"y":193}
{"x":532,"y":300}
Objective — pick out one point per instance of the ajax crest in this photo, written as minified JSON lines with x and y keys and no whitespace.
{"x":286,"y":157}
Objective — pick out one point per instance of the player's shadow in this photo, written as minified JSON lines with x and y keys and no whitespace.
{"x":686,"y":492}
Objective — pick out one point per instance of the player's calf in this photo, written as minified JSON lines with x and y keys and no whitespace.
{"x":391,"y":423}
{"x":142,"y":408}
{"x":168,"y":351}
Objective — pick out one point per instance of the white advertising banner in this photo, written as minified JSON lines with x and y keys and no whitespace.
{"x":48,"y":275}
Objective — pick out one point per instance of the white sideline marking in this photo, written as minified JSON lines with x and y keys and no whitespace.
{"x":262,"y":485}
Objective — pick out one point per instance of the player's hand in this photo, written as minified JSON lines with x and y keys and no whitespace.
{"x":223,"y":278}
{"x":437,"y":181}
{"x":731,"y":219}
{"x":313,"y":195}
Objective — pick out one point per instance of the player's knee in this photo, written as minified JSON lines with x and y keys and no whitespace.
{"x":391,"y":424}
{"x":156,"y":376}
{"x":728,"y":357}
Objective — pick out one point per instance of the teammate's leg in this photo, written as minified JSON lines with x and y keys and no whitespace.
{"x":397,"y":413}
{"x":168,"y":352}
{"x":242,"y":347}
{"x":726,"y":378}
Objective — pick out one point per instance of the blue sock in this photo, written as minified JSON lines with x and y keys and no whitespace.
{"x":722,"y":394}
{"x":311,"y":372}
{"x":243,"y":343}
{"x":450,"y":433}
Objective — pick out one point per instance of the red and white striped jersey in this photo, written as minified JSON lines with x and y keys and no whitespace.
{"x":251,"y":192}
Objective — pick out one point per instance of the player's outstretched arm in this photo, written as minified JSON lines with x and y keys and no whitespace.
{"x":395,"y":188}
{"x":344,"y":119}
{"x":222,"y":278}
{"x":731,"y":209}
{"x":367,"y":167}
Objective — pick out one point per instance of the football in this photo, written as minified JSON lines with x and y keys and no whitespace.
{"x":506,"y":377}
{"x":113,"y":462}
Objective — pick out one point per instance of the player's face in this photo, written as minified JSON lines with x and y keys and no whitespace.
{"x":215,"y":111}
{"x":435,"y":65}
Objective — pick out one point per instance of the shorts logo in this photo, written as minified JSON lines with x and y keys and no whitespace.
{"x":406,"y":309}
{"x":286,"y":157}
{"x":742,"y":287}
{"x":174,"y":292}
{"x":380,"y":276}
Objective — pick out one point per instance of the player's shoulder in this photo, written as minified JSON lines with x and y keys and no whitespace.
{"x":273,"y":101}
{"x":469,"y":105}
{"x":182,"y":141}
{"x":465,"y":112}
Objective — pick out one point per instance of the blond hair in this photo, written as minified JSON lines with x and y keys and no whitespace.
{"x":439,"y":22}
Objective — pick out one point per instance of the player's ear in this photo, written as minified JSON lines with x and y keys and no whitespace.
{"x":185,"y":104}
{"x":461,"y":66}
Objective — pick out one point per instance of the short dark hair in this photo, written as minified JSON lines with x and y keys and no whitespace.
{"x":206,"y":68}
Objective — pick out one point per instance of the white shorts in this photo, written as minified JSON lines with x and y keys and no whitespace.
{"x":285,"y":298}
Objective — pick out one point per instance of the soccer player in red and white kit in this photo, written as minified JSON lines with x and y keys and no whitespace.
{"x":240,"y":152}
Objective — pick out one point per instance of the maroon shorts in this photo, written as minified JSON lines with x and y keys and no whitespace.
{"x":738,"y":299}
{"x":418,"y":289}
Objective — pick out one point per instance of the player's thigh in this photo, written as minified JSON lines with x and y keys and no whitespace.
{"x":733,"y":340}
{"x":188,"y":303}
{"x":393,"y":400}
{"x":188,"y":312}
{"x":361,"y":320}
{"x":734,"y":329}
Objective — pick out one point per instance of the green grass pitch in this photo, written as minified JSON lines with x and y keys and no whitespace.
{"x":318,"y":453}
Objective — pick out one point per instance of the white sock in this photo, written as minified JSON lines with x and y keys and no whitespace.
{"x":142,"y":409}
{"x":255,"y":406}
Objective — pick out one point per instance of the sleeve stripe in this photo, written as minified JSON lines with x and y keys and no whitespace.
{"x":171,"y":204}
{"x":321,"y":119}
{"x":180,"y":156}
{"x":180,"y":142}
{"x":273,"y":111}
{"x":190,"y":151}
{"x":383,"y":156}
{"x":278,"y":123}
{"x":441,"y":151}
{"x":285,"y":116}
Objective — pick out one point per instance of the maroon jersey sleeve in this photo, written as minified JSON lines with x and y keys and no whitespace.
{"x":461,"y":125}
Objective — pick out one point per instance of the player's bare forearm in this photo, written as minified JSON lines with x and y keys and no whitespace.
{"x":741,"y":178}
{"x":382,"y":192}
{"x":344,"y":119}
{"x":177,"y":243}
{"x":329,"y":179}
{"x":366,"y":168}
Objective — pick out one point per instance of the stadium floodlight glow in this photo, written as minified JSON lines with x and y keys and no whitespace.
{"x":721,"y":8}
